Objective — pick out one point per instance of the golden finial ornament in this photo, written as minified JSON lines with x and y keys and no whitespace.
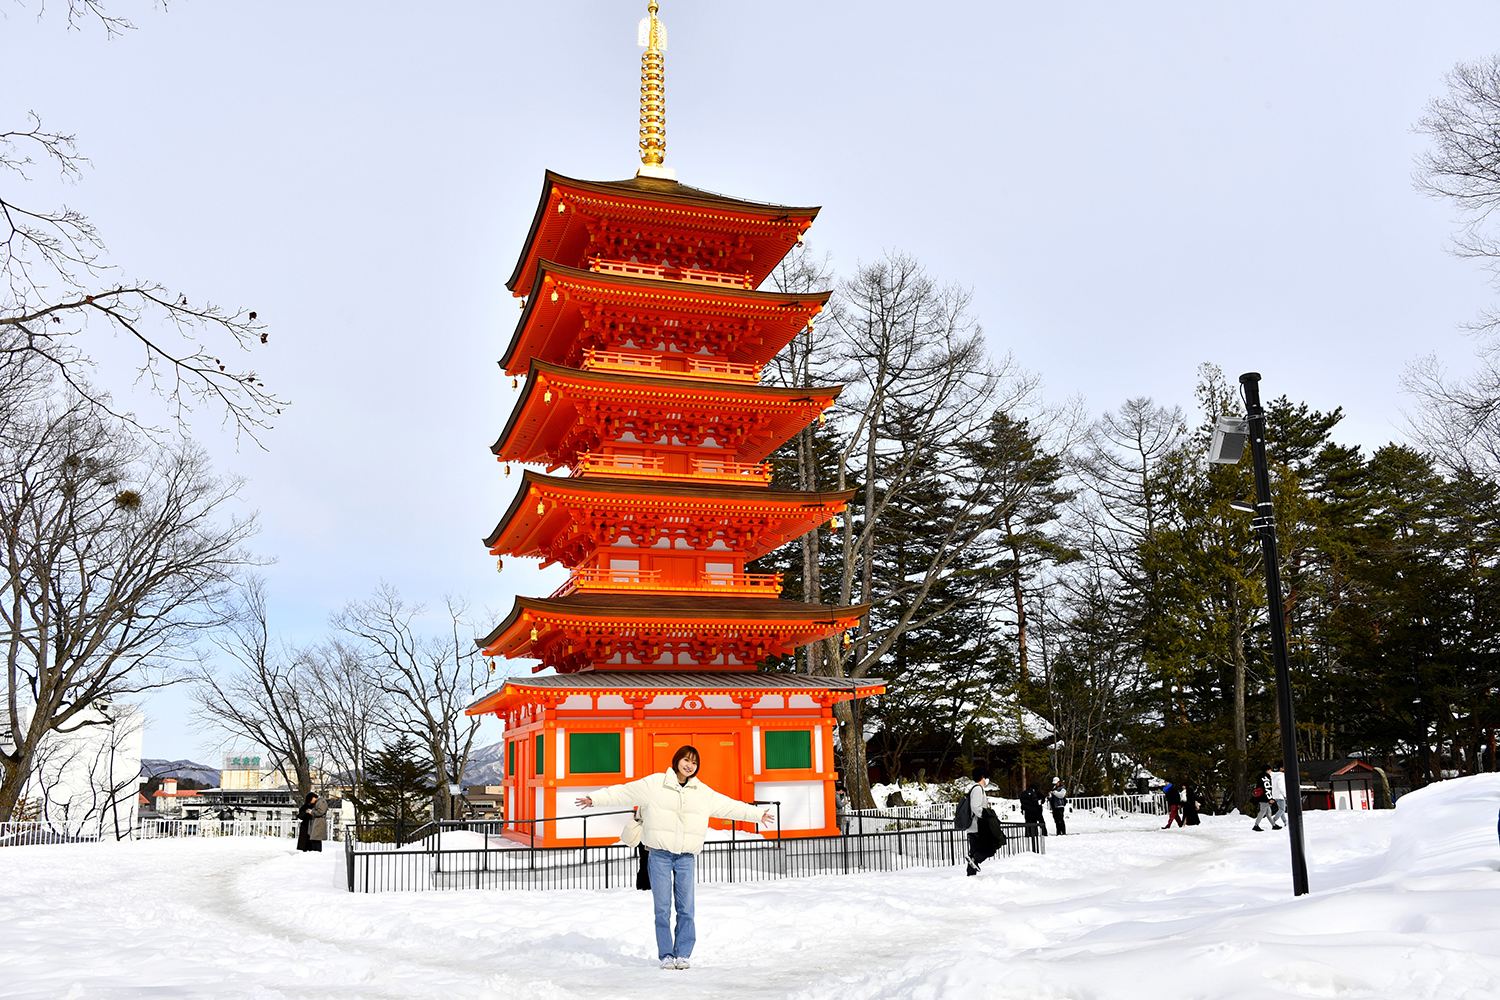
{"x":653,"y":35}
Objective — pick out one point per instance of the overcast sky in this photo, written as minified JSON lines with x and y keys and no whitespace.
{"x":1130,"y":190}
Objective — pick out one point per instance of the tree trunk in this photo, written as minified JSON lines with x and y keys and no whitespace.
{"x":856,"y":770}
{"x":1016,"y":593}
{"x":14,"y":780}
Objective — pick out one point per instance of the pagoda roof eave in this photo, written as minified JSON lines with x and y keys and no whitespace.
{"x":654,"y":287}
{"x":686,"y":387}
{"x":655,"y":488}
{"x":653,"y":190}
{"x":617,"y":608}
{"x":516,"y":690}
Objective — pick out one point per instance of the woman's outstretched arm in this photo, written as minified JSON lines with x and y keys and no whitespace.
{"x":631,"y":793}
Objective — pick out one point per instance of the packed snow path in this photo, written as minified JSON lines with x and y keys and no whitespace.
{"x":1404,"y":904}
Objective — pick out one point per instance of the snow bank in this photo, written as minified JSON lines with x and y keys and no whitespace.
{"x":1405,"y":903}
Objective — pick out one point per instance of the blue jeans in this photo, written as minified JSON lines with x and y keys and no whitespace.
{"x":672,"y":879}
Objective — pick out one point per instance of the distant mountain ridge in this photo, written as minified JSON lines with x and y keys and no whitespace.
{"x":180,"y":769}
{"x":486,"y":765}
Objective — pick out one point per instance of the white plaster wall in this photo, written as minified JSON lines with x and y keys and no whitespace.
{"x":88,"y":780}
{"x":602,"y":829}
{"x":801,"y":802}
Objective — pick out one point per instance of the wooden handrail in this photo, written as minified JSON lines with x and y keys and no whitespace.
{"x":664,"y":272}
{"x":593,"y":578}
{"x":654,"y":466}
{"x":621,"y":361}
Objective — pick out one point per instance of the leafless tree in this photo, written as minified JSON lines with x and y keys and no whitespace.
{"x":427,"y":680}
{"x":58,"y":291}
{"x":350,"y":704}
{"x":81,"y":779}
{"x":84,"y":12}
{"x":268,"y":696}
{"x":1459,"y":419}
{"x":119,"y":557}
{"x":922,"y":391}
{"x":808,"y":360}
{"x":1120,"y":507}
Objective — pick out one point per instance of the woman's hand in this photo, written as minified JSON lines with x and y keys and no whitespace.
{"x":767,"y":818}
{"x":586,"y":802}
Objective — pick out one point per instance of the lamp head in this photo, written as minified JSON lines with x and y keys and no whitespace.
{"x":1230,"y":434}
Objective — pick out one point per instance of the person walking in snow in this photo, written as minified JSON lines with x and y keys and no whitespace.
{"x":1058,"y":800}
{"x":312,"y":828}
{"x":978,"y":803}
{"x":1190,"y":805}
{"x":675,"y":809}
{"x":1031,"y":812}
{"x":1172,"y":792}
{"x":1278,"y":794}
{"x":1262,"y":795}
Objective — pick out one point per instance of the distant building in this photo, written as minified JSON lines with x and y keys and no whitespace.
{"x":249,"y":771}
{"x":1349,"y":783}
{"x":171,"y":802}
{"x":253,"y":788}
{"x":86,"y":780}
{"x":484,"y":801}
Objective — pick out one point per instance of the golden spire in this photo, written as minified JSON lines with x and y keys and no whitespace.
{"x":653,"y":35}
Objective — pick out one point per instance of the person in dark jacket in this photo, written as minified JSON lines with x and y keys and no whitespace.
{"x":1031,"y":812}
{"x":312,"y":829}
{"x":1173,"y":794}
{"x":979,"y":849}
{"x":1058,"y":800}
{"x":1190,"y":805}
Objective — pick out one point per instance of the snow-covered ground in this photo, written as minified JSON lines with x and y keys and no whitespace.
{"x":1405,"y":904}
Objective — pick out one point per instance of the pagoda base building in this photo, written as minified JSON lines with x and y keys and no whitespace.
{"x":641,"y":341}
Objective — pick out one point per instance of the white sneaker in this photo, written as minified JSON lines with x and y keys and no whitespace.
{"x":683,"y":963}
{"x":669,"y":962}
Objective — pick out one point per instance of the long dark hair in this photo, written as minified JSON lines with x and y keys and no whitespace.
{"x":309,"y":800}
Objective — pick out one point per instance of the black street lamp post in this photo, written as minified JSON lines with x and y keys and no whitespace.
{"x":1264,"y":524}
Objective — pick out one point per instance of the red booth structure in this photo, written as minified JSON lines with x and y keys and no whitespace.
{"x":641,"y":341}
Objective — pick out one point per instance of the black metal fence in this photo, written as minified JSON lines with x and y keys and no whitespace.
{"x":476,"y":856}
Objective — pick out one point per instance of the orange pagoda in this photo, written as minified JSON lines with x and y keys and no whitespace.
{"x":641,"y":342}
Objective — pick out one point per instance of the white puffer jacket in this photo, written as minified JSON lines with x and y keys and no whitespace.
{"x":674,"y":816}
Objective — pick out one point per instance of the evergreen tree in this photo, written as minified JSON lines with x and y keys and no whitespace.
{"x":396,"y":786}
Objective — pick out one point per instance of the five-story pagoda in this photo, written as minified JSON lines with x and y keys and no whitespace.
{"x":641,"y":340}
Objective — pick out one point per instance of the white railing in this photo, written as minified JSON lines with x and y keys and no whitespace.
{"x":157,"y":829}
{"x":1152,"y":804}
{"x":41,"y":832}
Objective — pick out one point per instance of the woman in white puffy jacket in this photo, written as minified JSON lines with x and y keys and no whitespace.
{"x":675,"y":809}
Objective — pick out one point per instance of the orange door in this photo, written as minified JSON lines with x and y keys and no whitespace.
{"x":718,"y":765}
{"x":680,"y":571}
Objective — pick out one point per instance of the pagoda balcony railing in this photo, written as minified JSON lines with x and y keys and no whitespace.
{"x":654,"y":466}
{"x":720,"y":371}
{"x":594,"y":578}
{"x":666,"y":272}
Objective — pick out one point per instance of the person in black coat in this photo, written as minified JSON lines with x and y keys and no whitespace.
{"x":312,"y":828}
{"x":1190,"y":805}
{"x":1031,"y":812}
